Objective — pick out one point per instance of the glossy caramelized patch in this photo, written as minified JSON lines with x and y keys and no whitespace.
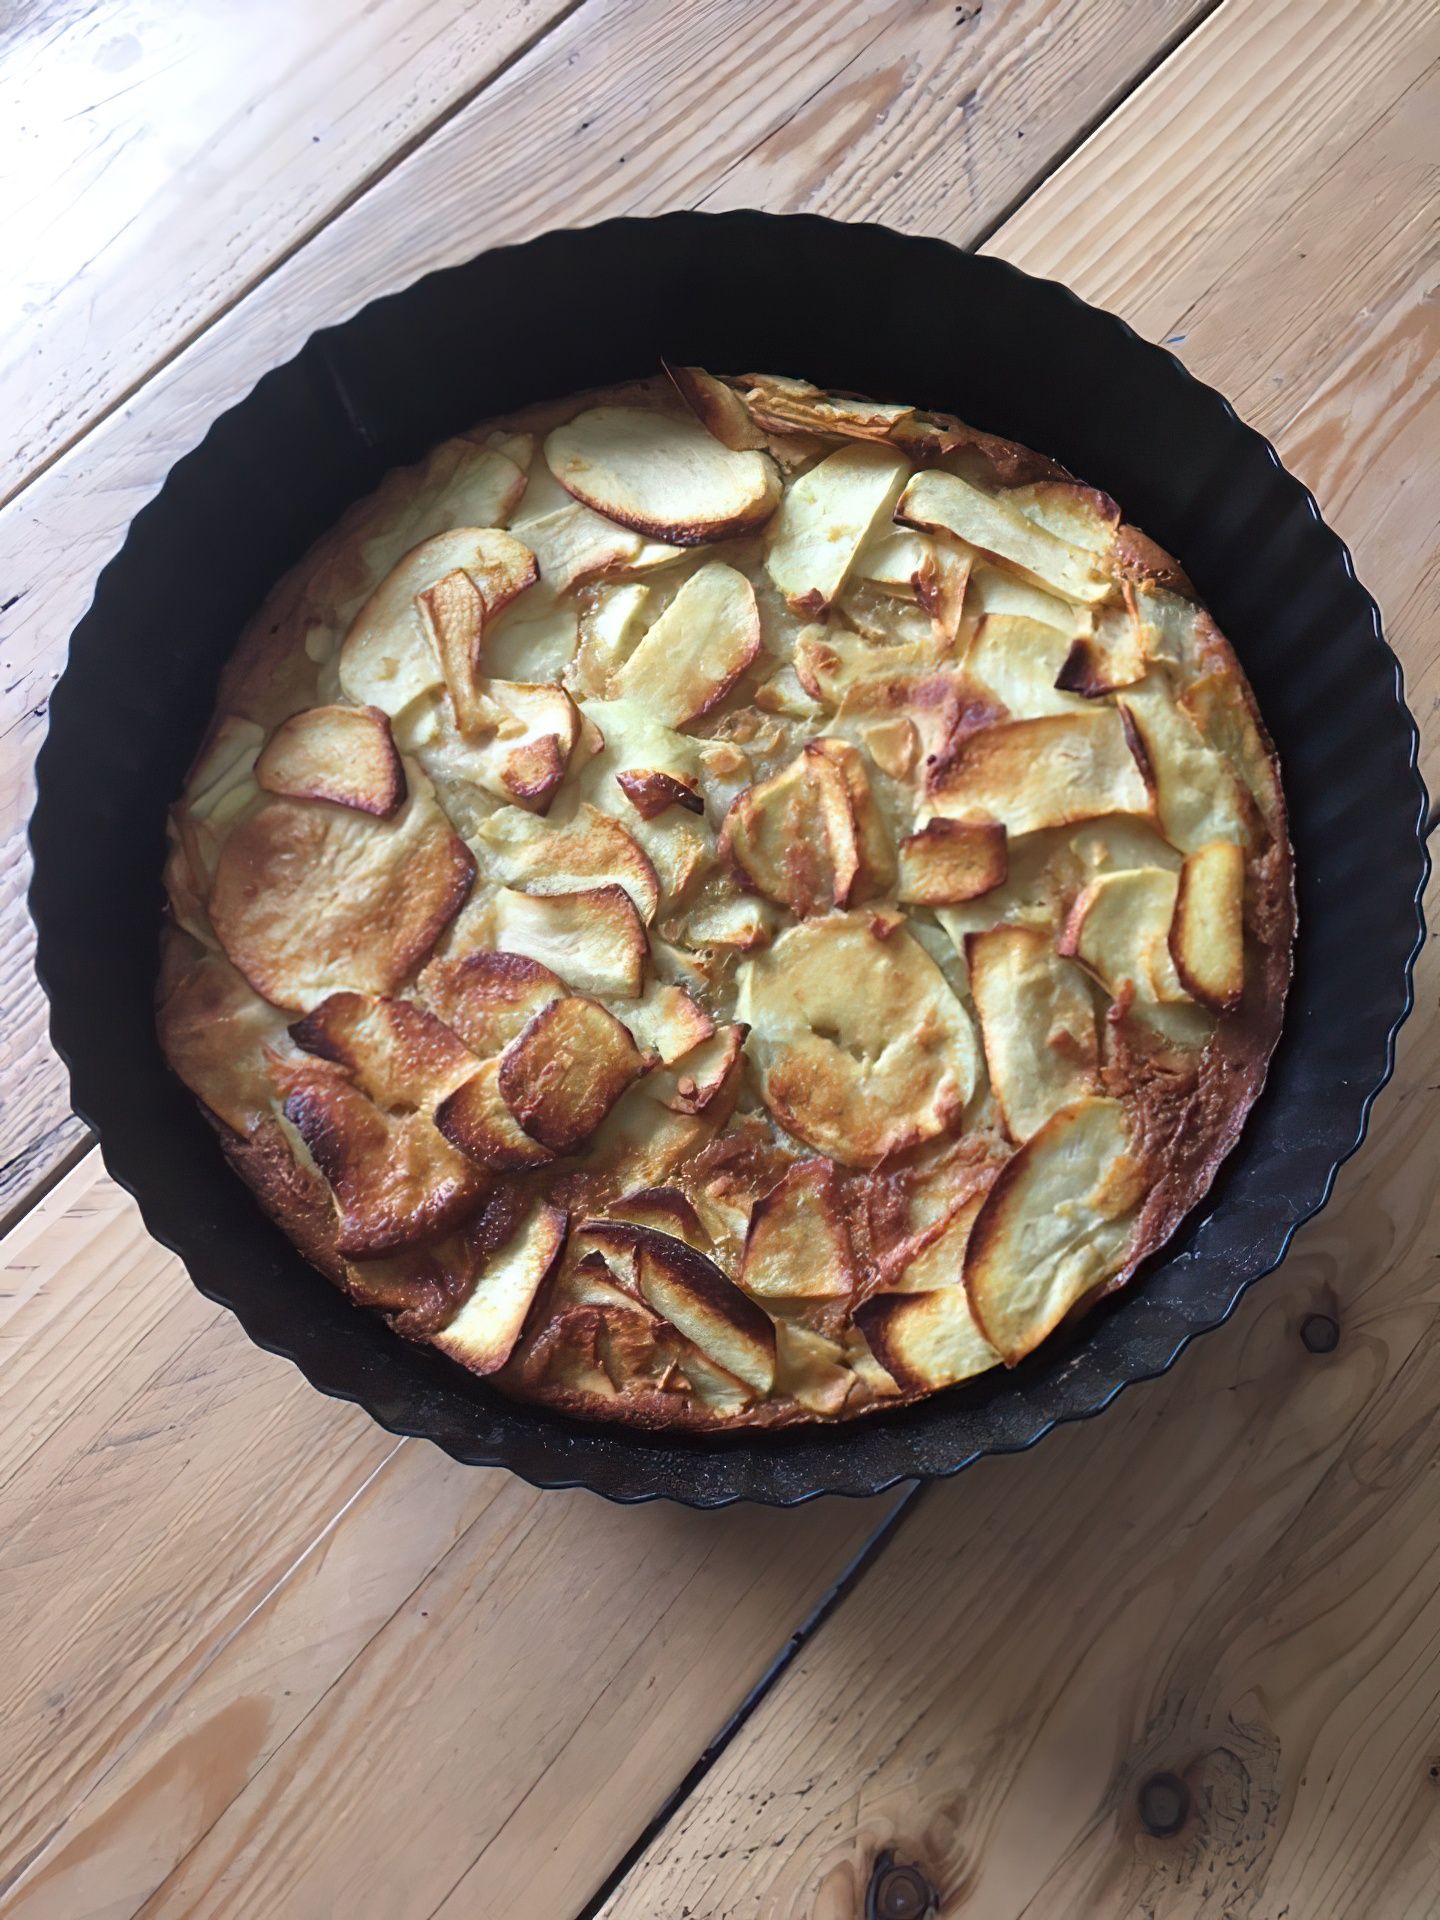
{"x":720,"y":903}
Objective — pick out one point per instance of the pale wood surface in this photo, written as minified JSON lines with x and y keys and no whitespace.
{"x":233,"y":1609}
{"x":261,"y":1658}
{"x":629,"y":106}
{"x":161,"y":160}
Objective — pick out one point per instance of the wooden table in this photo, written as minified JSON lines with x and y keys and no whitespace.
{"x":260,"y":1659}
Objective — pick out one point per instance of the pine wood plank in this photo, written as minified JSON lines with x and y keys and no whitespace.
{"x":628,"y":106}
{"x":163,"y":159}
{"x":217,"y":1587}
{"x":1234,"y":1577}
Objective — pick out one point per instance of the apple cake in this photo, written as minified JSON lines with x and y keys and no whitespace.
{"x":721,"y":903}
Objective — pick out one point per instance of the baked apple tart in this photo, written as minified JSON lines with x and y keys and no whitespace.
{"x":719,"y":903}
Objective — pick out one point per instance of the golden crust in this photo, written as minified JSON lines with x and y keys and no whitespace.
{"x":642,"y":972}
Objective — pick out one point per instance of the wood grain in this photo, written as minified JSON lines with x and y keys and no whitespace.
{"x":1234,"y":1577}
{"x":932,"y":116}
{"x":230,"y":1606}
{"x":170,"y":155}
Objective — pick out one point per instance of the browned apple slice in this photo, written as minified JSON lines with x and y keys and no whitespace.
{"x":590,"y":849}
{"x":341,"y":754}
{"x":216,"y":1031}
{"x":830,"y":662}
{"x":527,"y":755}
{"x":1119,"y":927}
{"x":939,"y":501}
{"x":1111,"y":657}
{"x":696,"y":651}
{"x":676,"y":839}
{"x":992,"y":590}
{"x":826,"y":518}
{"x":666,"y":1210}
{"x":1048,"y":772}
{"x":1055,"y":1225}
{"x":891,"y":559}
{"x":1198,"y":796}
{"x":460,"y":607}
{"x":718,"y":408}
{"x":797,"y":1245}
{"x":789,"y":406}
{"x":1207,"y":933}
{"x":699,"y":1077}
{"x":862,"y":1048}
{"x":793,"y":837}
{"x":1222,"y":709}
{"x":693,"y":1294}
{"x":396,"y":1181}
{"x":483,"y":1333}
{"x":872,"y":837}
{"x":662,"y":474}
{"x":650,"y":791}
{"x":934,"y":1256}
{"x":925,"y":1340}
{"x":951,"y":860}
{"x":1021,"y":662}
{"x":389,"y":657}
{"x":593,"y":938}
{"x":811,"y":1369}
{"x":665,"y":1020}
{"x":309,"y":899}
{"x":476,"y":1120}
{"x":1037,"y":1025}
{"x":397,"y":1053}
{"x":730,"y":920}
{"x":941,"y":585}
{"x":564,"y":1072}
{"x":487,"y":997}
{"x":1079,"y":515}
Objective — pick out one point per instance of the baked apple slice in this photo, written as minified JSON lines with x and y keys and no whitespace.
{"x":593,"y":938}
{"x":1207,"y":931}
{"x":861,"y":1046}
{"x":696,"y":651}
{"x":947,"y":861}
{"x":797,"y":1245}
{"x":590,"y":849}
{"x":1037,"y":1025}
{"x":341,"y":754}
{"x":397,"y":1052}
{"x":488,"y":997}
{"x":1047,"y":772}
{"x":826,"y":518}
{"x":936,"y":501}
{"x":477,"y":1120}
{"x":1054,"y":1226}
{"x":925,"y":1340}
{"x":483,"y":1333}
{"x":662,"y":475}
{"x":562,"y":1074}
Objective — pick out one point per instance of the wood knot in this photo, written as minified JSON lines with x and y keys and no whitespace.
{"x":1164,"y":1804}
{"x":898,"y":1892}
{"x":1320,"y":1333}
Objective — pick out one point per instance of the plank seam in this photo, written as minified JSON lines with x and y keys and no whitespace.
{"x":1097,"y":120}
{"x":386,"y":167}
{"x":848,"y":1580}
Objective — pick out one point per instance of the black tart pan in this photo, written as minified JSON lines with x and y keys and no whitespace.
{"x":850,"y":306}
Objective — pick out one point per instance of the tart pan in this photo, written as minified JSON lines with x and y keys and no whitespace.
{"x":880,"y":313}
